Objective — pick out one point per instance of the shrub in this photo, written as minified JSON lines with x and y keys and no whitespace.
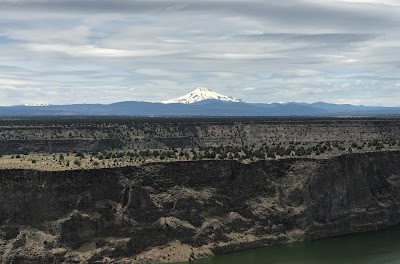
{"x":271,"y":154}
{"x":80,"y":154}
{"x":379,"y":146}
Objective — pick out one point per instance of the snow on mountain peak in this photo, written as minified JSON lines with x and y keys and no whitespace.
{"x":201,"y":94}
{"x":37,"y":104}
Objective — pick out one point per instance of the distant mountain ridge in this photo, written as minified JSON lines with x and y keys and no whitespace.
{"x":200,"y":102}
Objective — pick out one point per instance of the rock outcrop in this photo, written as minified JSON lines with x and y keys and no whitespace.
{"x":184,"y":210}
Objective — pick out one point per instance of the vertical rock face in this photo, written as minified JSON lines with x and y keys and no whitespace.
{"x":136,"y":202}
{"x":350,"y":187}
{"x":8,"y":232}
{"x":194,"y":208}
{"x":134,"y":197}
{"x":77,"y":229}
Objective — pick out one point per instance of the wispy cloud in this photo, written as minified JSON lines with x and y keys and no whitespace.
{"x":79,"y":51}
{"x":260,"y":51}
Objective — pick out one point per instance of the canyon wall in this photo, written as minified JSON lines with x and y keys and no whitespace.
{"x":17,"y":137}
{"x":184,"y":210}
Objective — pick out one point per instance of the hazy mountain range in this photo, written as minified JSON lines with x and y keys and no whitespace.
{"x":200,"y":102}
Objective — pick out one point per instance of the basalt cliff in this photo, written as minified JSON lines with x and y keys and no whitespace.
{"x":180,"y":211}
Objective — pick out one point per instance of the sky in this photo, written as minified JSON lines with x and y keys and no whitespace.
{"x":101,"y":51}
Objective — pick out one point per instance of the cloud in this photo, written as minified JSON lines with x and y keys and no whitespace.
{"x":294,"y":12}
{"x":161,"y":73}
{"x":238,"y":56}
{"x":96,"y":51}
{"x":375,"y":2}
{"x":70,"y":51}
{"x":248,"y":89}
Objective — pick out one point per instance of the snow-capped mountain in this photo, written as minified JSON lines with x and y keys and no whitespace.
{"x":201,"y":94}
{"x":36,"y":104}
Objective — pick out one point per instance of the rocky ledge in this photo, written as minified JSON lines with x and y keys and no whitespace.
{"x":179,"y":211}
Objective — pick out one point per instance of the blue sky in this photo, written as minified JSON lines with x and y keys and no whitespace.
{"x":97,"y":51}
